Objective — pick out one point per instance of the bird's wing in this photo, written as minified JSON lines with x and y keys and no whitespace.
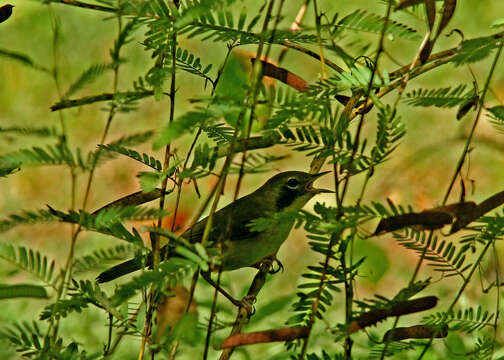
{"x":234,"y":217}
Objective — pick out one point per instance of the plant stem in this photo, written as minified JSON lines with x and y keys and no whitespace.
{"x":155,"y":242}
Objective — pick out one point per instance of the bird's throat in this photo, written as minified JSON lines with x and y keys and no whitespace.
{"x":291,"y":199}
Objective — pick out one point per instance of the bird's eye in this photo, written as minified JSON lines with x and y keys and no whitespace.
{"x":292,"y":183}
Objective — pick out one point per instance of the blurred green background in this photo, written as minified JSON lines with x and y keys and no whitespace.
{"x":417,"y":174}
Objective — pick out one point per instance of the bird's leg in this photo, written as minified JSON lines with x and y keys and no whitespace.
{"x":247,"y":302}
{"x":269,"y":260}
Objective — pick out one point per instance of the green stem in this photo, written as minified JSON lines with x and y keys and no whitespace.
{"x":155,"y":242}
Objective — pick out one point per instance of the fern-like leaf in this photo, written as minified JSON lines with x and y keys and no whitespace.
{"x":360,"y":20}
{"x":145,"y":159}
{"x":222,"y":27}
{"x":357,"y":78}
{"x":391,"y":348}
{"x":108,"y":221}
{"x":58,"y":154}
{"x":26,"y":217}
{"x":43,"y":131}
{"x":175,"y":269}
{"x":23,"y":59}
{"x":220,"y":133}
{"x":88,"y":76}
{"x":123,"y":39}
{"x":443,"y":97}
{"x":98,"y":157}
{"x":26,"y":337}
{"x":497,"y":117}
{"x":192,"y":64}
{"x":29,"y":260}
{"x":289,"y":105}
{"x":474,"y":50}
{"x":484,"y":349}
{"x":98,"y":258}
{"x":64,"y":306}
{"x":82,"y":294}
{"x":467,"y":320}
{"x":442,"y":255}
{"x":389,"y":132}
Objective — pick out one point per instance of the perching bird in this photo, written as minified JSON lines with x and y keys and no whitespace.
{"x":241,"y":247}
{"x":5,"y":12}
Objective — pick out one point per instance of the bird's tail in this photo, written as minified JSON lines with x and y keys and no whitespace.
{"x":120,"y":270}
{"x":133,"y":265}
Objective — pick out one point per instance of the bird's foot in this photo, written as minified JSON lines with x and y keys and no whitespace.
{"x":247,"y":302}
{"x":279,"y":268}
{"x":270,"y":261}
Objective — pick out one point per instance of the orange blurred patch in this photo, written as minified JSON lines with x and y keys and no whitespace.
{"x":171,"y":309}
{"x":272,"y":71}
{"x":246,"y":57}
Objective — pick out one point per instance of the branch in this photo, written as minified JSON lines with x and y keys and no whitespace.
{"x":242,"y":317}
{"x":128,"y":95}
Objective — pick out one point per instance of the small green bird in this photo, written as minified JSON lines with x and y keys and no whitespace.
{"x":241,"y":247}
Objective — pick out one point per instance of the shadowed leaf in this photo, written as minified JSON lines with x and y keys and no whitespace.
{"x":415,"y":332}
{"x":466,"y":107}
{"x":430,"y":12}
{"x":408,"y":3}
{"x":448,"y":11}
{"x":22,"y":291}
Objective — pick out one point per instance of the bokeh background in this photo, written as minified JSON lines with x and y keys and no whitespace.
{"x":417,"y":174}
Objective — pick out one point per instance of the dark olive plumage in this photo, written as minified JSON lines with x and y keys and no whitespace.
{"x":241,"y":247}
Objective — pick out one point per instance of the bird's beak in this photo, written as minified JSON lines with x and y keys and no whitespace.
{"x":310,"y":187}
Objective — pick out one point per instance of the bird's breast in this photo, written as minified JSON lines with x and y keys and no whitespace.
{"x":244,"y":253}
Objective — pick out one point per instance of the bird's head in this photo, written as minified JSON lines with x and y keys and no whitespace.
{"x":291,"y":190}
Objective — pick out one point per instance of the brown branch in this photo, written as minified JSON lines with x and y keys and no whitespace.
{"x":258,"y":337}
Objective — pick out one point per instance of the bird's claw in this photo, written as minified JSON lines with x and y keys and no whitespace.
{"x":269,"y":262}
{"x":272,"y":269}
{"x":247,"y":303}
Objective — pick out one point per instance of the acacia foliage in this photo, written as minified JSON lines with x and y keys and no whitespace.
{"x":236,"y":113}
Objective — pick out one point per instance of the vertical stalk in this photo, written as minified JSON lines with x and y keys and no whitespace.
{"x":166,"y":163}
{"x":319,"y":40}
{"x":66,"y":272}
{"x":256,"y":79}
{"x":348,"y":281}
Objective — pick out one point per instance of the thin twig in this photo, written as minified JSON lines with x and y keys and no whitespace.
{"x":256,"y":78}
{"x":295,"y":26}
{"x":155,"y":238}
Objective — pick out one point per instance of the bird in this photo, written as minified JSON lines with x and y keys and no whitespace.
{"x":5,"y":12}
{"x":241,"y":246}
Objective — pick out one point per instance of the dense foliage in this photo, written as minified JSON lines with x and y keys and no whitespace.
{"x":249,"y":104}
